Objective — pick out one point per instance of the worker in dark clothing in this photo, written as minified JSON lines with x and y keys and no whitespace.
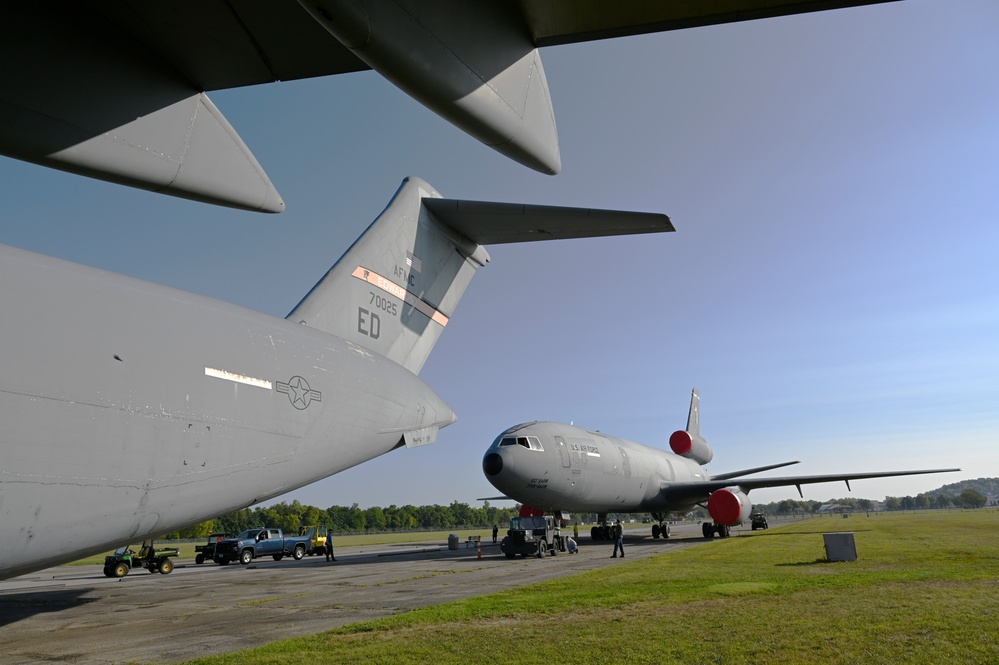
{"x":495,"y":533}
{"x":329,"y":545}
{"x":618,"y":539}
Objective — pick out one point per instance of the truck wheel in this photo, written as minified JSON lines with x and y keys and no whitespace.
{"x":511,"y":555}
{"x":222,"y":561}
{"x":200,"y":559}
{"x":299,"y":552}
{"x":541,"y":549}
{"x":121,"y":570}
{"x":108,"y":572}
{"x":554,"y":550}
{"x":245,"y":557}
{"x":277,"y":557}
{"x":166,"y":566}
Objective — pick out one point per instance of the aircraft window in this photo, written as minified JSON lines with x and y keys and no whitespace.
{"x":508,"y":441}
{"x":529,"y":442}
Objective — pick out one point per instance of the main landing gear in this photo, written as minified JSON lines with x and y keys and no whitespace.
{"x":661,"y":528}
{"x":708,"y":530}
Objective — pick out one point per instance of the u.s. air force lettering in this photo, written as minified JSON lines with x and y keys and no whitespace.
{"x":299,"y":393}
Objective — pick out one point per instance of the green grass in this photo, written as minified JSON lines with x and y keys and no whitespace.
{"x":925,"y":590}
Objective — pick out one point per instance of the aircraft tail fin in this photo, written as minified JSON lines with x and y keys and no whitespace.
{"x":689,"y":442}
{"x":394,"y":291}
{"x":694,"y":415}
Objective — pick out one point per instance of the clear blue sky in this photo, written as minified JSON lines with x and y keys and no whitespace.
{"x":832,"y":288}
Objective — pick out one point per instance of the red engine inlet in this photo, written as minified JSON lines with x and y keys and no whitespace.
{"x":690,"y":445}
{"x":681,"y":442}
{"x":729,"y":507}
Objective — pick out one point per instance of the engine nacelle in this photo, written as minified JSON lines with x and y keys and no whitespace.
{"x":729,"y":506}
{"x":691,"y":446}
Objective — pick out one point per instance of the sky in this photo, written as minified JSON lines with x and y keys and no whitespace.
{"x":832,"y":288}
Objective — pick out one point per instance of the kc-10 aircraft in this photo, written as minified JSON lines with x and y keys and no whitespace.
{"x":558,"y":468}
{"x":116,"y":89}
{"x":129,"y":409}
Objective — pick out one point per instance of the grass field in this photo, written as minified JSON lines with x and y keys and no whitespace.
{"x":925,"y":590}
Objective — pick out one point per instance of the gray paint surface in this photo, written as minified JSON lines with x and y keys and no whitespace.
{"x":131,"y":409}
{"x":115,"y":89}
{"x":606,"y":474}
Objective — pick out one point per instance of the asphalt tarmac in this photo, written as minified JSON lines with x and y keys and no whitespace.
{"x":75,"y":614}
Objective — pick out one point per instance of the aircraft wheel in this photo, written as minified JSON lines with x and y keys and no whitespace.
{"x":665,"y":531}
{"x":245,"y":557}
{"x":656,"y":531}
{"x":121,"y":570}
{"x":200,"y":559}
{"x":707,"y":530}
{"x":595,"y":533}
{"x":299,"y":553}
{"x":277,"y":557}
{"x":166,"y":566}
{"x":724,"y":531}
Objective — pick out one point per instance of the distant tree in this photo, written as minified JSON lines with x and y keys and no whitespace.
{"x":892,"y":503}
{"x":921,"y":501}
{"x":944,"y":500}
{"x":970,"y":498}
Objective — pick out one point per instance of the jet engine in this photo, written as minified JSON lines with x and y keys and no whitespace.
{"x":690,"y":445}
{"x":729,"y":506}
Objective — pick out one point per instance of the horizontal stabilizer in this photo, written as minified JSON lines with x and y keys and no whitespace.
{"x":489,"y":223}
{"x":396,"y":288}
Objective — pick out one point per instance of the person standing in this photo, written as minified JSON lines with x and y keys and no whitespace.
{"x":618,"y":539}
{"x":575,"y":530}
{"x":329,"y":545}
{"x":495,"y":533}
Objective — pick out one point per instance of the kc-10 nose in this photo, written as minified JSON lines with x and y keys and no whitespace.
{"x":492,"y":464}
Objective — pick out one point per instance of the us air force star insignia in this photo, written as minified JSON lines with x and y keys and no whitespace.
{"x":299,"y":393}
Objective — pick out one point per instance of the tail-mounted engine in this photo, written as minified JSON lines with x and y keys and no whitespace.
{"x":690,"y":445}
{"x":729,"y":506}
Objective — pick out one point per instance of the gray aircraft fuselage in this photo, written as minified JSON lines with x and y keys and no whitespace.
{"x":114,"y":378}
{"x":579,"y":470}
{"x":557,"y":467}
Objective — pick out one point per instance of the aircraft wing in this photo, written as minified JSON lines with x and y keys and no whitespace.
{"x":115,"y":89}
{"x":700,"y":491}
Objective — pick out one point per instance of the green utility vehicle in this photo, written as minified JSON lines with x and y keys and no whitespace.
{"x":206,"y":552}
{"x":148,"y":557}
{"x":540,"y":536}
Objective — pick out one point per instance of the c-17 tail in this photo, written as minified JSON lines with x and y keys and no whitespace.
{"x":394,"y":291}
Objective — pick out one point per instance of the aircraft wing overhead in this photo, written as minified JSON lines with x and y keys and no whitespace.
{"x":555,"y":22}
{"x":489,"y":223}
{"x":115,"y":89}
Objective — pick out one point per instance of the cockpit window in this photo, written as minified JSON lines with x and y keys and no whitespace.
{"x":529,"y":442}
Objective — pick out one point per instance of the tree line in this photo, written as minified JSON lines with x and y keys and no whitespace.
{"x":968,"y":498}
{"x":289,"y":517}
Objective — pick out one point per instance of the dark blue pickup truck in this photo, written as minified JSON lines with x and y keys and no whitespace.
{"x":254,"y":543}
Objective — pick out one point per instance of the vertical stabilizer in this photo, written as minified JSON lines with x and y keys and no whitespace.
{"x":395,"y":289}
{"x":689,"y":442}
{"x":694,"y":416}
